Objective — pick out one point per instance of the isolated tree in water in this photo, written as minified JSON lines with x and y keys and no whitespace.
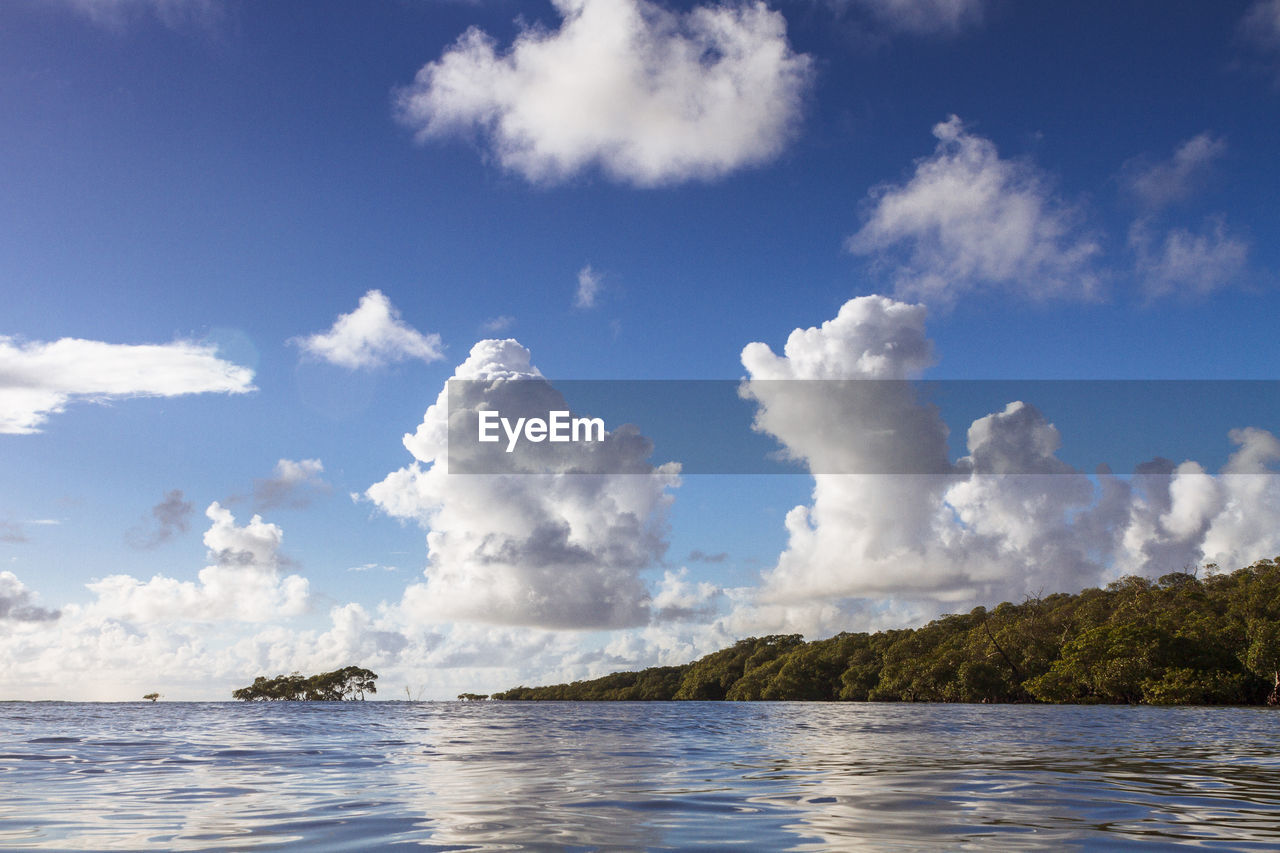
{"x":349,"y":683}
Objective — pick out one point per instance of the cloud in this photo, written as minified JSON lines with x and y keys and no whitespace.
{"x":292,"y":485}
{"x":16,"y":602}
{"x":861,"y":531}
{"x":1260,"y":25}
{"x":116,"y":13}
{"x":649,"y":96}
{"x":498,"y":324}
{"x":1187,"y":263}
{"x":15,"y":532}
{"x":1008,"y":519}
{"x":371,"y":336}
{"x":169,"y":517}
{"x":242,"y":583}
{"x":969,"y":221}
{"x":38,"y":379}
{"x":1181,"y":515}
{"x":679,"y":598}
{"x":549,"y":550}
{"x":589,"y":282}
{"x":699,"y":556}
{"x":1158,"y":185}
{"x":920,"y":17}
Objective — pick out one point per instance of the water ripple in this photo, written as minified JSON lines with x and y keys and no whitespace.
{"x":527,"y":776}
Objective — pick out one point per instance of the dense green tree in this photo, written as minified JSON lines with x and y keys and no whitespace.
{"x":1179,"y":639}
{"x":712,"y":676}
{"x":1263,"y":654}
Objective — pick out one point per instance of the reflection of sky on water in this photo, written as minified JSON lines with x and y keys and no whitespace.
{"x":633,"y":776}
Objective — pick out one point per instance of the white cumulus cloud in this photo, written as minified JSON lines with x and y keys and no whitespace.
{"x":969,"y":220}
{"x":243,"y":581}
{"x":648,"y":95}
{"x":38,"y":379}
{"x":553,"y":550}
{"x":1007,"y":520}
{"x":371,"y":336}
{"x":678,"y":597}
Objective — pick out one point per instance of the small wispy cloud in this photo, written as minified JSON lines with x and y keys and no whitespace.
{"x":1157,"y":185}
{"x":168,"y":518}
{"x":589,"y":283}
{"x":1260,"y":25}
{"x":919,"y":17}
{"x":115,"y":14}
{"x":498,"y":324}
{"x":293,"y":485}
{"x":1188,"y":263}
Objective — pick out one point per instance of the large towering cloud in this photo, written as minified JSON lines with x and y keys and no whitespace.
{"x":1008,"y":519}
{"x":38,"y":379}
{"x":970,"y":220}
{"x":554,"y":550}
{"x":650,"y":96}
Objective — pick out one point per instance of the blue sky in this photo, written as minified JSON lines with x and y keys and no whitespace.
{"x":1016,"y":191}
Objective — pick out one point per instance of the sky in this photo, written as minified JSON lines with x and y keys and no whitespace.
{"x":244,"y":246}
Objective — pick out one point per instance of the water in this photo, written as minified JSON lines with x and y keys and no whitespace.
{"x":516,"y":776}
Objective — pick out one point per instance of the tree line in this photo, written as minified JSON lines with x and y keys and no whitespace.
{"x":1181,"y":639}
{"x":348,"y":683}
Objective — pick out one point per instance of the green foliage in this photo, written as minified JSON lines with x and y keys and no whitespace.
{"x":712,"y":676}
{"x":1176,"y":640}
{"x":348,"y":683}
{"x":472,"y":697}
{"x":151,"y":696}
{"x":1262,"y":655}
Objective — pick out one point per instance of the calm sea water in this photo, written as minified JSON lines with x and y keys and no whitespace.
{"x":515,"y":776}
